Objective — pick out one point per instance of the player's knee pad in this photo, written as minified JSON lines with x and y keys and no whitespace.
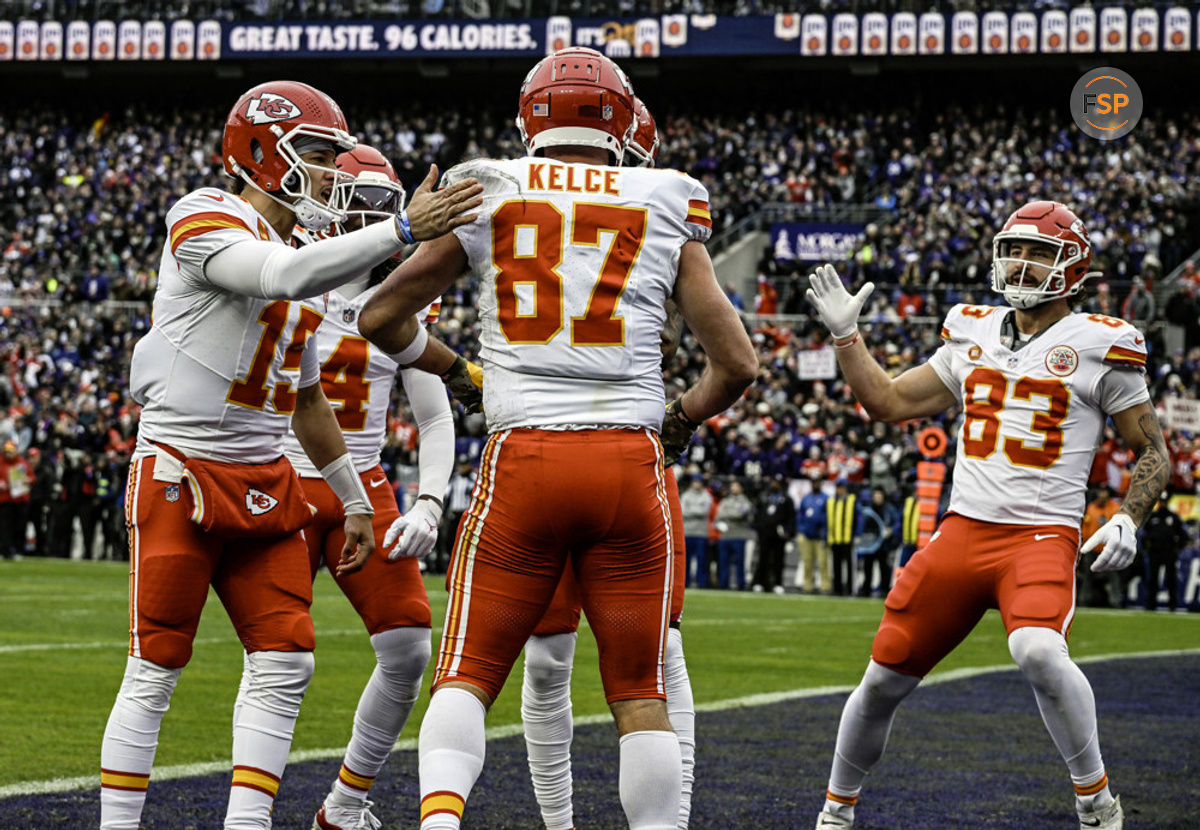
{"x":548,"y":659}
{"x":166,"y":647}
{"x":276,"y":680}
{"x":402,"y":655}
{"x":148,"y":685}
{"x":892,"y":646}
{"x":1041,"y":653}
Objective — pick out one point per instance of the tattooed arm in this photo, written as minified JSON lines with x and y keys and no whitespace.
{"x":1139,"y":429}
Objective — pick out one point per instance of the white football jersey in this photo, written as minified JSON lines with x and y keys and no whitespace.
{"x":357,"y":378}
{"x":575,"y":263}
{"x":218,"y":372}
{"x":1032,"y":418}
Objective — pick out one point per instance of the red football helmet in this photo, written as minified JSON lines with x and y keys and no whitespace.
{"x":576,"y":97}
{"x":1050,"y":223}
{"x":259,"y":145}
{"x":642,"y":149}
{"x":375,"y":192}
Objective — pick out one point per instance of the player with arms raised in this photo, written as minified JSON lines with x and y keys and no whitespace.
{"x":221,"y":374}
{"x":576,"y":260}
{"x":1036,"y":383}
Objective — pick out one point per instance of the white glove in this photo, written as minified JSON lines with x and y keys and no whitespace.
{"x":839,"y":311}
{"x":414,"y":533}
{"x":1118,"y":536}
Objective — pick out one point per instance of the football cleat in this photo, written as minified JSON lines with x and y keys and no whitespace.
{"x":360,"y":818}
{"x":1111,"y":817}
{"x":832,"y":821}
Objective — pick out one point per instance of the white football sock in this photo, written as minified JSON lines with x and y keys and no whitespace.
{"x":651,"y":776}
{"x":401,"y":656}
{"x":1068,"y":707}
{"x":130,"y":740}
{"x":863,"y":733}
{"x":546,"y":714}
{"x":269,"y":700}
{"x":682,"y":712}
{"x":450,"y":751}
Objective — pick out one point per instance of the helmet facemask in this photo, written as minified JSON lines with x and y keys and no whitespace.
{"x":370,"y":197}
{"x":1034,"y":281}
{"x":297,"y":182}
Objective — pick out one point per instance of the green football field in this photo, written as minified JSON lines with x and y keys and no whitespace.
{"x":63,"y":640}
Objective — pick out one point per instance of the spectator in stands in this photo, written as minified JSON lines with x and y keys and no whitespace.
{"x":1139,"y":307}
{"x":1163,"y":539}
{"x":735,"y":515}
{"x":16,"y":479}
{"x":841,"y":522}
{"x":879,"y":534}
{"x":811,"y":541}
{"x":1098,"y":590}
{"x":696,"y":502}
{"x":774,"y":520}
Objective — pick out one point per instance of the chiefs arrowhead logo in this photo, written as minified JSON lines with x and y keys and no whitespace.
{"x":258,"y":502}
{"x":270,"y":107}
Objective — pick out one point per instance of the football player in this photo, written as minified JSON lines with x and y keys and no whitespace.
{"x":550,"y":652}
{"x":388,"y":592}
{"x":220,"y":375}
{"x":1036,"y":383}
{"x":576,"y":261}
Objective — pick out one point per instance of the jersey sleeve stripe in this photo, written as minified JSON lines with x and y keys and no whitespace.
{"x":1125,"y":357}
{"x":199,"y":223}
{"x":703,"y":220}
{"x":945,"y":333}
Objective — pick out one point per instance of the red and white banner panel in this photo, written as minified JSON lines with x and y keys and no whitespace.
{"x":845,"y":34}
{"x":814,"y":35}
{"x":79,"y":36}
{"x":1114,"y":30}
{"x":904,"y":33}
{"x":964,"y":33}
{"x":1083,"y":29}
{"x":932,"y":33}
{"x":52,"y":40}
{"x":1144,"y":31}
{"x":1023,"y":37}
{"x":995,"y":33}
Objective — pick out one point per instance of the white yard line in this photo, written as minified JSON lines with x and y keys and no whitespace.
{"x":58,"y":785}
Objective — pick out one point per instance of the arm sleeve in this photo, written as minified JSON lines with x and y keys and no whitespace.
{"x":435,"y":426}
{"x":269,"y":270}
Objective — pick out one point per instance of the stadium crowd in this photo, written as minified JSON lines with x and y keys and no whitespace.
{"x":81,"y":231}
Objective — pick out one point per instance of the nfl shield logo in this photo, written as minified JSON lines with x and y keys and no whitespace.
{"x":172,"y":492}
{"x":1013,"y":361}
{"x":348,"y":316}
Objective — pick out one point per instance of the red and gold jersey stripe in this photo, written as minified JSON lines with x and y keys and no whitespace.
{"x":1125,"y":357}
{"x":256,"y":779}
{"x":1093,"y":788}
{"x":433,"y":312}
{"x":698,"y":213}
{"x":945,"y":333}
{"x":200,"y":223}
{"x":355,"y":781}
{"x":462,"y":559}
{"x":442,"y":801}
{"x":116,"y":780}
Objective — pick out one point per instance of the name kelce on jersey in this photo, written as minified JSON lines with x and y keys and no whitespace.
{"x":569,"y":178}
